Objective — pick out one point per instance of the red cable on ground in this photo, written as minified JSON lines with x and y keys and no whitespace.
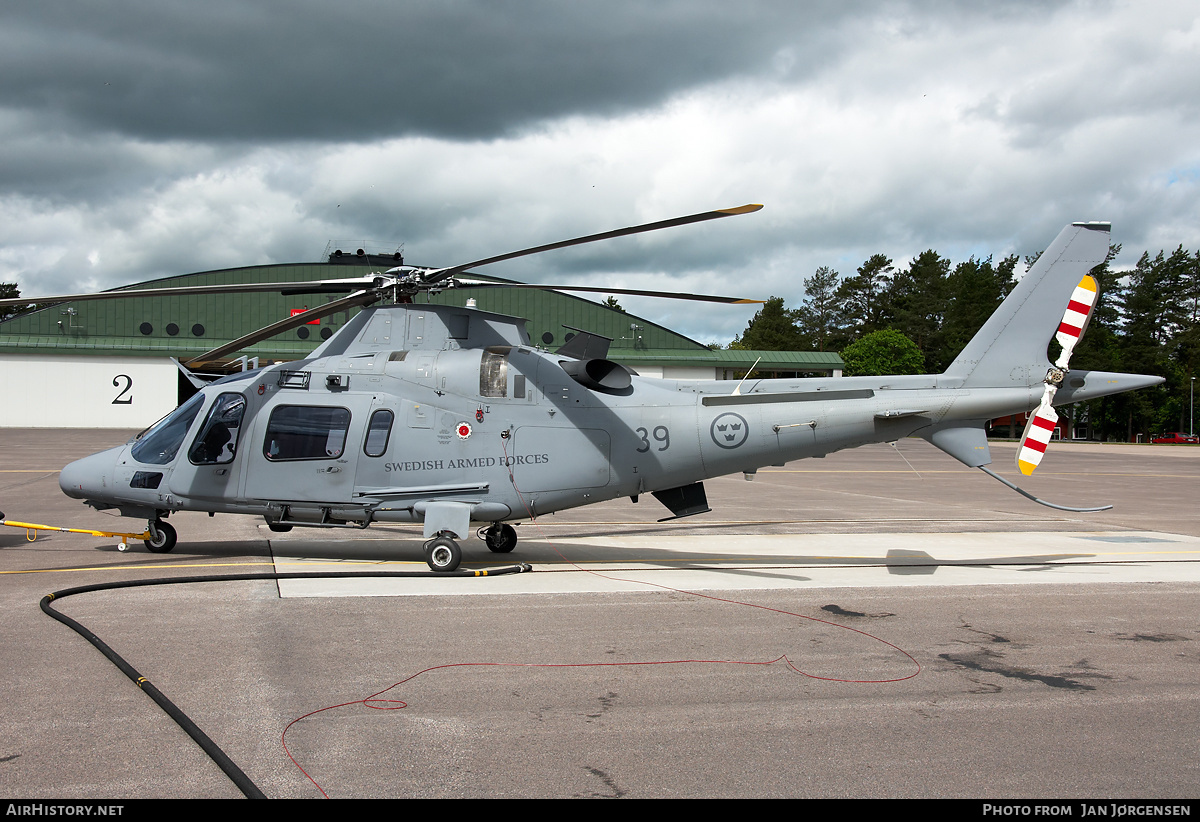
{"x":396,"y":704}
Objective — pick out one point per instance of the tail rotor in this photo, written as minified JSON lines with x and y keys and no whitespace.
{"x":1044,"y":420}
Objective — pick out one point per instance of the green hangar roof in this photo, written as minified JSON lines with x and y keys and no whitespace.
{"x":185,"y":326}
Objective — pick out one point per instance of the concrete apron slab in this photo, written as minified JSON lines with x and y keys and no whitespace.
{"x":759,"y":562}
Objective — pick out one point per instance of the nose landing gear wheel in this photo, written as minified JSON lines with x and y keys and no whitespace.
{"x":500,"y":538}
{"x":443,"y":554}
{"x":162,"y":537}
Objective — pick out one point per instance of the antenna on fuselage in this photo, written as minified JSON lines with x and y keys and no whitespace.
{"x":737,"y":392}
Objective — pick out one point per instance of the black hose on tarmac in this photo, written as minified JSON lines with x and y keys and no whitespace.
{"x":239,"y":778}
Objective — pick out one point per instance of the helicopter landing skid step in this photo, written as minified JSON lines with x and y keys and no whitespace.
{"x":286,"y":519}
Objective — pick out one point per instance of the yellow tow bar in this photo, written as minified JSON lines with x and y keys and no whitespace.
{"x":31,"y":529}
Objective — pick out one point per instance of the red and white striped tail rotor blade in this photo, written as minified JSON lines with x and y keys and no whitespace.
{"x":1075,"y":319}
{"x":1037,"y":435}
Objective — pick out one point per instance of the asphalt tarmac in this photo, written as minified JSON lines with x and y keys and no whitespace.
{"x":880,"y":623}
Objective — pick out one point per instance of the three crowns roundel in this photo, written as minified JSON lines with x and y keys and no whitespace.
{"x":729,"y":430}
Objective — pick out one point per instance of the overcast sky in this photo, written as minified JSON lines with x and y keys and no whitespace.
{"x":148,"y":138}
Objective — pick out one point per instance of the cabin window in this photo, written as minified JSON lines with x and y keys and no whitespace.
{"x":379,"y":430}
{"x":216,"y":443}
{"x":306,"y":432}
{"x":159,"y":443}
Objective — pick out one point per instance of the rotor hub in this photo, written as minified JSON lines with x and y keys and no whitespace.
{"x":1055,"y":377}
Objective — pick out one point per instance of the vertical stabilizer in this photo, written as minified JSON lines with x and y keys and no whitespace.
{"x":1011,"y":347}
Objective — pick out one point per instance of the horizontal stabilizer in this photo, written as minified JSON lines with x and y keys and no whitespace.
{"x":965,"y":441}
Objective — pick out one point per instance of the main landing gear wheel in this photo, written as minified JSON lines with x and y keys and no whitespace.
{"x":443,"y":554}
{"x":162,"y":537}
{"x":500,"y":538}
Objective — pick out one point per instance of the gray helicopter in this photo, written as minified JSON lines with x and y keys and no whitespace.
{"x":448,"y":416}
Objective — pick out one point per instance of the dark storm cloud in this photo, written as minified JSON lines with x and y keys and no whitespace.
{"x":297,"y":70}
{"x":143,"y":139}
{"x":54,"y":164}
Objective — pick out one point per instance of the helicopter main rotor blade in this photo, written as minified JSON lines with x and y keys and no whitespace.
{"x":437,"y":275}
{"x":637,"y":292}
{"x":301,"y":287}
{"x":432,"y":276}
{"x":354,"y":300}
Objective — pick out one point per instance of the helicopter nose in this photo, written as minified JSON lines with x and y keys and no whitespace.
{"x":89,"y":477}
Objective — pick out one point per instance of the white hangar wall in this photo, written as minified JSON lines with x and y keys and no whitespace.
{"x":678,"y":372}
{"x":85,"y":392}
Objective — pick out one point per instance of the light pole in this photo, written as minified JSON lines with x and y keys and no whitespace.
{"x":1192,"y":410}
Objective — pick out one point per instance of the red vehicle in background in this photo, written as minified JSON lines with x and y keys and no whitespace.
{"x":1176,"y":437}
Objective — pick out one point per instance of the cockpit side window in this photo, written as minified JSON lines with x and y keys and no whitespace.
{"x":160,"y":443}
{"x":216,"y":444}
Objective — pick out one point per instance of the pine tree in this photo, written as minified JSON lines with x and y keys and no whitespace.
{"x":974,"y":291}
{"x":772,"y":329}
{"x":918,"y":299}
{"x":9,"y":291}
{"x":818,"y":317}
{"x":1147,"y":320}
{"x":864,"y":296}
{"x":1098,"y":348}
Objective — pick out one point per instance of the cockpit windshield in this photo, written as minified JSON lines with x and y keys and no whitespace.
{"x":160,"y":444}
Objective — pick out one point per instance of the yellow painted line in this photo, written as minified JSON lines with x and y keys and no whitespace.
{"x":825,"y":562}
{"x":925,"y":471}
{"x":298,"y":563}
{"x":714,"y":522}
{"x":1109,"y":474}
{"x":878,"y":558}
{"x":797,"y":559}
{"x":331,"y":561}
{"x":560,"y":566}
{"x":136,"y":568}
{"x":817,"y":561}
{"x":840,"y":471}
{"x":833,"y":471}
